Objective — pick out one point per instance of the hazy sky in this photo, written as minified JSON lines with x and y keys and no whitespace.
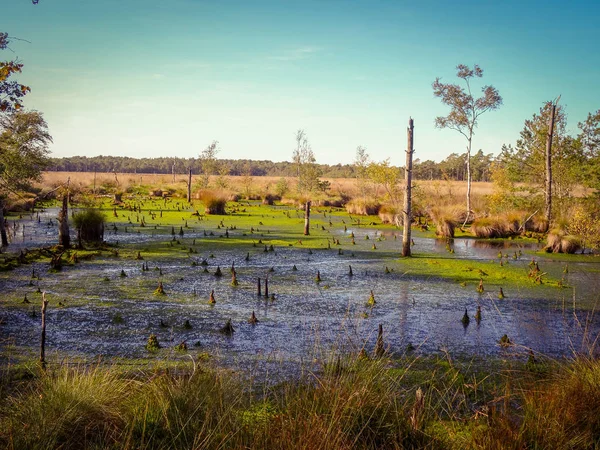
{"x":159,"y":78}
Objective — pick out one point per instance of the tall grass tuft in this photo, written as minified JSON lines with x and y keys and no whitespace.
{"x":561,"y":242}
{"x":363,"y":207}
{"x":214,"y":203}
{"x":492,"y":227}
{"x":445,"y":220}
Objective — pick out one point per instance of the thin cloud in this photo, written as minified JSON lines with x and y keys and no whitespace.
{"x":297,"y":54}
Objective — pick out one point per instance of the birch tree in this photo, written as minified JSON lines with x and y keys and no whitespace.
{"x":465,"y":110}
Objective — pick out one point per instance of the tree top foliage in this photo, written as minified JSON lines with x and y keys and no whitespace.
{"x":464,"y":108}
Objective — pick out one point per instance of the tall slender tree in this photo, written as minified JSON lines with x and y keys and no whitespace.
{"x":465,"y":110}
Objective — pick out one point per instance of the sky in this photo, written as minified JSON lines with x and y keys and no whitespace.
{"x":149,"y":78}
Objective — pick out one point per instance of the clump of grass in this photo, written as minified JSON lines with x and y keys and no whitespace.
{"x":214,"y":203}
{"x":561,"y":242}
{"x":537,"y":224}
{"x":363,"y":207}
{"x":491,"y":227}
{"x":445,"y":221}
{"x":390,"y":214}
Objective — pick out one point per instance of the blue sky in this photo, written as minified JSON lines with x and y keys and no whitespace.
{"x":159,"y":78}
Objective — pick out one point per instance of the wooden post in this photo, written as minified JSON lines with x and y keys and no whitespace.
{"x":173,"y":171}
{"x":189,"y":190}
{"x":258,"y":287}
{"x":64,"y":238}
{"x":307,"y":218}
{"x":43,"y":339}
{"x":266,"y":287}
{"x":549,"y":164}
{"x":3,"y":234}
{"x":407,"y":213}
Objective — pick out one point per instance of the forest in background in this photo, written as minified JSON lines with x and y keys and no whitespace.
{"x":451,"y":168}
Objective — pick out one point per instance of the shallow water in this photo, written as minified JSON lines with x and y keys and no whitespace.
{"x":305,"y":317}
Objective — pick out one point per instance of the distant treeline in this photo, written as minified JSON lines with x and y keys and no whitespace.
{"x":453,"y":167}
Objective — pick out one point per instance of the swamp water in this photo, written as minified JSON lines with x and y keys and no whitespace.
{"x":103,"y":313}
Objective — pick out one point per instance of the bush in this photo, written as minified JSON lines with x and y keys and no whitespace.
{"x":90,"y":225}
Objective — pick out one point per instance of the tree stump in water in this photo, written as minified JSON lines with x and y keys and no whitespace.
{"x":253,"y":320}
{"x":160,"y":290}
{"x":227,"y":328}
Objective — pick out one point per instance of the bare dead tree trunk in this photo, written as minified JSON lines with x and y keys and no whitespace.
{"x":307,"y":218}
{"x":64,"y":238}
{"x":468,"y":182}
{"x":407,"y":219}
{"x":2,"y":226}
{"x":189,"y":186}
{"x":173,"y":172}
{"x":43,"y":338}
{"x":549,"y":164}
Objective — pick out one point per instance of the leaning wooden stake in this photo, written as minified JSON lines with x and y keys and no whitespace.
{"x":43,"y":339}
{"x":407,"y":214}
{"x":307,"y":218}
{"x":379,"y":345}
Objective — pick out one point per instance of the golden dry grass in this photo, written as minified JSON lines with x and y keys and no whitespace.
{"x":448,"y":191}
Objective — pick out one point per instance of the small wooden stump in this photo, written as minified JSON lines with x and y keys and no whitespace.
{"x":253,"y":320}
{"x":227,"y":328}
{"x":152,"y":344}
{"x":465,"y":319}
{"x":160,"y":290}
{"x":371,"y":301}
{"x":480,"y":287}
